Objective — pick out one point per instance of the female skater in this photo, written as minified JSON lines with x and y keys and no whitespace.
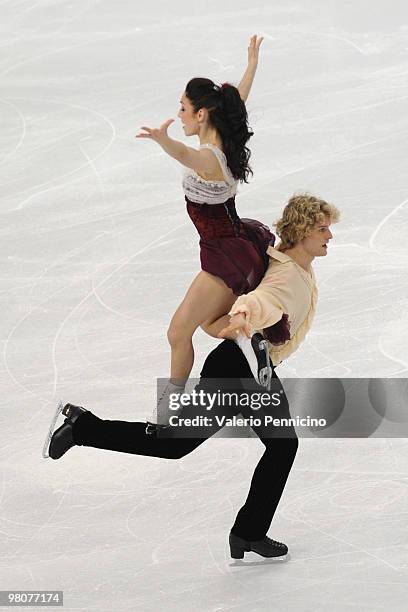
{"x":232,"y":250}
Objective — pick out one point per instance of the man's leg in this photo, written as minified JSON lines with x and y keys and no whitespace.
{"x":268,"y":482}
{"x":271,"y":473}
{"x":225,"y":361}
{"x":267,"y":485}
{"x":129,"y":437}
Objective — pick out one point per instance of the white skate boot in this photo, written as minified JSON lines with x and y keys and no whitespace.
{"x":256,"y":353}
{"x":162,"y":413}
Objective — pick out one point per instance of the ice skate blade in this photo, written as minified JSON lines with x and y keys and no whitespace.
{"x":253,"y":561}
{"x":264,"y":373}
{"x":51,"y":430}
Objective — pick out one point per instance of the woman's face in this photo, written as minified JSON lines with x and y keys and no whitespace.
{"x":188,"y":117}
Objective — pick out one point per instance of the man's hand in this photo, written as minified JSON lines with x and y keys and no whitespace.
{"x":238,"y":325}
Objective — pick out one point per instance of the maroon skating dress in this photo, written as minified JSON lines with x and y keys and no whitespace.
{"x":231,"y":248}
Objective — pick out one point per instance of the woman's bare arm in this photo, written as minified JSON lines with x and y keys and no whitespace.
{"x":199,"y":160}
{"x":245,"y":84}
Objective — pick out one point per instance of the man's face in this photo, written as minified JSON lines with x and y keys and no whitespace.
{"x":316,"y":243}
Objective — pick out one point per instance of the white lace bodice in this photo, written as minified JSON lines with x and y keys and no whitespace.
{"x":200,"y":191}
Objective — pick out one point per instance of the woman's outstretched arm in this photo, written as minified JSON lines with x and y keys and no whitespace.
{"x":245,"y":84}
{"x":200,"y":161}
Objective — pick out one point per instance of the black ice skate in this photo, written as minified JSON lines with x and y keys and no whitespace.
{"x":57,"y":443}
{"x":265,"y":547}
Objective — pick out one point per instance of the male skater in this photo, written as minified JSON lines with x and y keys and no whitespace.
{"x":283,"y":306}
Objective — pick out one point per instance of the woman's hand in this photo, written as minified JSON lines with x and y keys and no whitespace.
{"x":238,"y":325}
{"x":253,"y":49}
{"x":156,"y":134}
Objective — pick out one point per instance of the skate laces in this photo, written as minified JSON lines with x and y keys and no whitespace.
{"x":275,"y":542}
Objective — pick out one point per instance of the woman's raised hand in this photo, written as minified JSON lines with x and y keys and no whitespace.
{"x":156,"y":134}
{"x":253,"y":49}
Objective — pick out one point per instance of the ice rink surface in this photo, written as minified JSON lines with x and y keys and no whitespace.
{"x":97,"y":252}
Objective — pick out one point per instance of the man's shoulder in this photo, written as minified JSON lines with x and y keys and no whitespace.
{"x":279,"y":256}
{"x":279,"y":273}
{"x":280,"y":263}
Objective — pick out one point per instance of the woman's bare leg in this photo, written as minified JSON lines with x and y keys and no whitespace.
{"x":207,"y":299}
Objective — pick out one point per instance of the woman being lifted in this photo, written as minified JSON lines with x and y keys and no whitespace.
{"x":232,"y":250}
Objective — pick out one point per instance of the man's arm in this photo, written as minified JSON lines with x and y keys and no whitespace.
{"x":261,"y":307}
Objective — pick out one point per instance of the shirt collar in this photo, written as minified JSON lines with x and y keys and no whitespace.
{"x":283,"y":258}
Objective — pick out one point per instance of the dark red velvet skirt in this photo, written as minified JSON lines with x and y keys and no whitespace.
{"x":231,"y":248}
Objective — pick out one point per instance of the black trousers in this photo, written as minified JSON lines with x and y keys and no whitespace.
{"x":270,"y":476}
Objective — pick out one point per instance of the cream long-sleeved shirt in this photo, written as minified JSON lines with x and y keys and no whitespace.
{"x":288,"y":289}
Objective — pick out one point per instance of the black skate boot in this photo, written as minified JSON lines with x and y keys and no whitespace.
{"x":265,"y":547}
{"x":62,"y":439}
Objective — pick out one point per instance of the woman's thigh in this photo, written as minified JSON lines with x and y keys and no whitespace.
{"x":207,"y":299}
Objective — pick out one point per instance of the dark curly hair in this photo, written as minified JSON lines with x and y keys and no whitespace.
{"x":228,"y":115}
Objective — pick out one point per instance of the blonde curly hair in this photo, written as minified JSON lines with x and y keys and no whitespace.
{"x":300,"y":216}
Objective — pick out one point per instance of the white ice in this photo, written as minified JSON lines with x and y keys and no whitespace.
{"x":97,"y":252}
